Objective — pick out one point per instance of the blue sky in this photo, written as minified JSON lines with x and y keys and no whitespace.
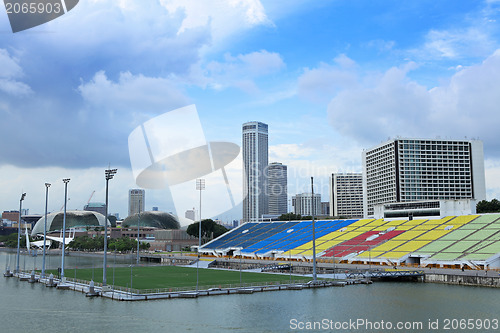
{"x":329,"y":77}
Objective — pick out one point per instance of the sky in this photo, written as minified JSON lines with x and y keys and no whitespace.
{"x":329,"y":77}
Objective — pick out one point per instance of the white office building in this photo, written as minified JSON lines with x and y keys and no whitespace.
{"x":305,"y":205}
{"x":136,"y":201}
{"x":255,"y":179}
{"x":278,"y":194}
{"x":346,"y":195}
{"x":422,"y":170}
{"x":190,"y":214}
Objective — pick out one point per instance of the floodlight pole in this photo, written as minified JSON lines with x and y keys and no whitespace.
{"x":65,"y":181}
{"x":47,"y":185}
{"x":19,"y":231}
{"x":138,"y":224}
{"x":109,"y":173}
{"x":313,"y":230}
{"x":200,"y":185}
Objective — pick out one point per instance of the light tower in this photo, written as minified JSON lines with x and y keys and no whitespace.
{"x":47,"y":185}
{"x":200,"y":185}
{"x":65,"y":181}
{"x":19,"y":231}
{"x":109,"y":173}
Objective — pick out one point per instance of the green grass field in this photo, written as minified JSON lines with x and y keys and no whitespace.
{"x":154,"y":277}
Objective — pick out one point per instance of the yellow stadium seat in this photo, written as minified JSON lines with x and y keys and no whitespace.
{"x":405,"y":227}
{"x":370,"y":254}
{"x":414,"y":222}
{"x":388,"y":246}
{"x":433,"y":235}
{"x":361,"y":222}
{"x":395,"y":223}
{"x":376,"y":223}
{"x":411,"y":246}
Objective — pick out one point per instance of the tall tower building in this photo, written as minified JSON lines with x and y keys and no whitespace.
{"x":136,"y":201}
{"x":277,"y":182}
{"x":255,"y":161}
{"x":346,"y":194}
{"x":411,"y":170}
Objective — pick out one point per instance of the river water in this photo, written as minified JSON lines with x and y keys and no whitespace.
{"x":34,"y":308}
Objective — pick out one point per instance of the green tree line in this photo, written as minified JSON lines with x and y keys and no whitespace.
{"x":92,"y":244}
{"x":485,"y":206}
{"x":209,"y":229}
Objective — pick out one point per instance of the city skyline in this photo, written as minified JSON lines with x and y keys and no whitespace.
{"x":331,"y":78}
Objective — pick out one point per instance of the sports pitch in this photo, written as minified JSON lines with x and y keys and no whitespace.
{"x":156,"y":277}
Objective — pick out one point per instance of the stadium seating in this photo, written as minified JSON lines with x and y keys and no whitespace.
{"x":468,"y":239}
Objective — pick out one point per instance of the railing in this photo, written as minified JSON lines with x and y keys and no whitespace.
{"x":386,"y":273}
{"x":205,"y":287}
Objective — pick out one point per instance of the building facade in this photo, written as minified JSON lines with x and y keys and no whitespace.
{"x":136,"y":201}
{"x":278,"y":193}
{"x":346,"y":195}
{"x":408,"y":170}
{"x":255,"y":179}
{"x":305,"y":205}
{"x":190,"y":214}
{"x":325,"y":208}
{"x":96,"y":207}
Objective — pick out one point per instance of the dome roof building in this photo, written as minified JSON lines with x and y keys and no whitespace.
{"x":155,"y":219}
{"x":74,"y":219}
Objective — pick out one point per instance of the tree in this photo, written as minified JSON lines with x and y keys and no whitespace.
{"x":290,"y":217}
{"x":209,"y":229}
{"x":485,"y":206}
{"x":144,"y":245}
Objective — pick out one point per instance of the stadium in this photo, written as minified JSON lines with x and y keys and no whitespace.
{"x":465,"y":241}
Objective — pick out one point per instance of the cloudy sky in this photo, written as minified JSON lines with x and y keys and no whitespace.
{"x":329,"y":77}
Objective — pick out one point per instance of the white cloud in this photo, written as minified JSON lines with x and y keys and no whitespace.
{"x":224,"y":17}
{"x":381,"y":45}
{"x":241,"y":70}
{"x":391,"y":104}
{"x":132,"y":93}
{"x":319,"y":84}
{"x":318,"y":158}
{"x":473,"y":41}
{"x":10,"y":72}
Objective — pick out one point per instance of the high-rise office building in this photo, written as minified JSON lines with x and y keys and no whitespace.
{"x":136,"y":201}
{"x":190,"y":214}
{"x":325,"y":208}
{"x":278,"y":194}
{"x":305,"y":205}
{"x":346,"y":194}
{"x":255,"y":161}
{"x":410,"y":170}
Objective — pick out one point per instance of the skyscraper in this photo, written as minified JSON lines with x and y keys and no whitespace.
{"x":255,"y":161}
{"x":346,"y":194}
{"x":136,"y":201}
{"x":409,"y":170}
{"x":277,"y":182}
